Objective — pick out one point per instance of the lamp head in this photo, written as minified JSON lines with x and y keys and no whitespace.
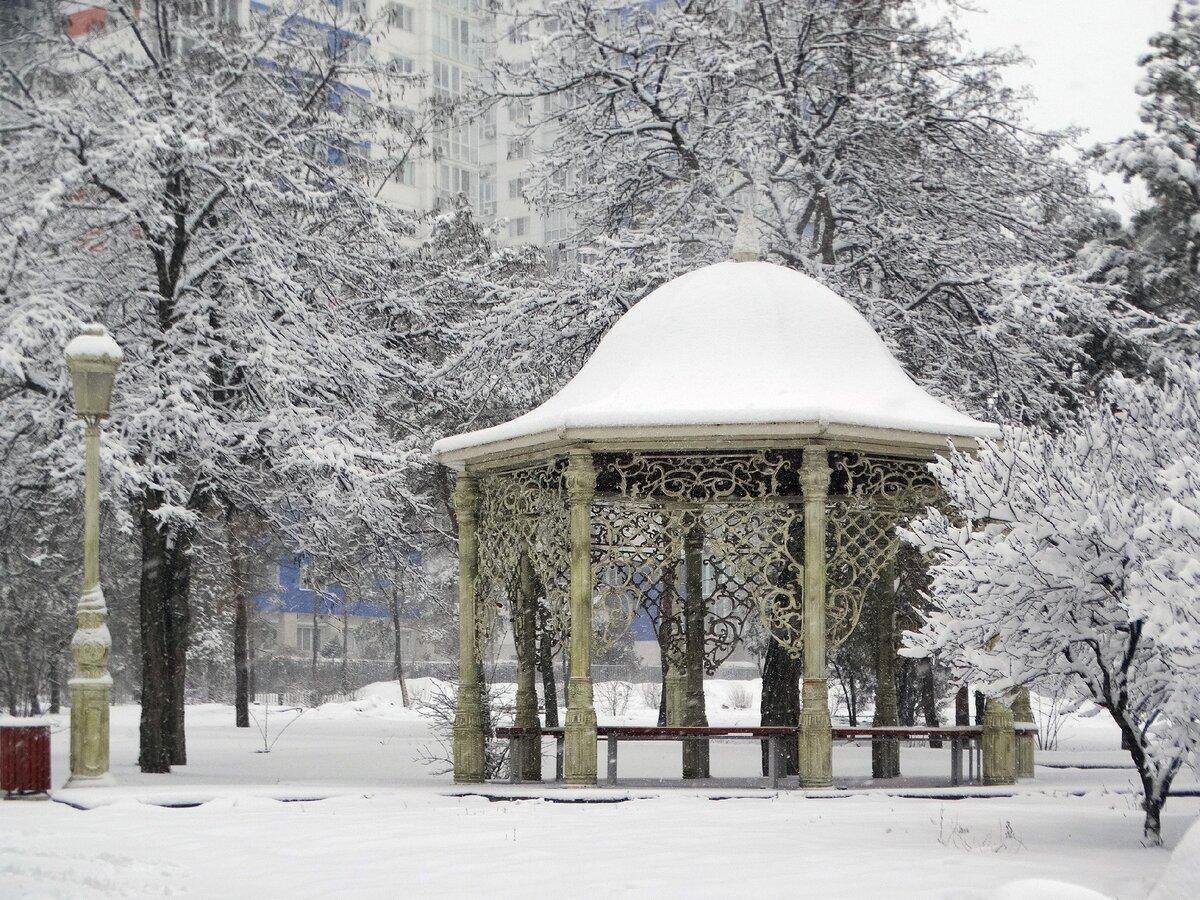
{"x":92,"y":359}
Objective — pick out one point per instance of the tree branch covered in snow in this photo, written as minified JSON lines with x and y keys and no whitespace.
{"x":894,"y":165}
{"x":1074,"y":556}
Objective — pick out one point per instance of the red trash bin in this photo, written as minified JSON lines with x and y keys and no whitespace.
{"x":24,"y":758}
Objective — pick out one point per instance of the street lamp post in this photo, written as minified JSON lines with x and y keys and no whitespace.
{"x":92,"y":359}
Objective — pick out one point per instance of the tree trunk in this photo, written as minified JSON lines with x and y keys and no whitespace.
{"x":929,"y":700}
{"x":178,"y":620}
{"x":398,"y":644}
{"x":153,"y":587}
{"x":55,"y":687}
{"x":780,"y":704}
{"x":314,"y":700}
{"x":962,"y":706}
{"x":908,"y":691}
{"x":980,"y":707}
{"x":241,"y":636}
{"x":695,"y":750}
{"x":546,"y":665}
{"x":32,"y":701}
{"x":345,"y":647}
{"x":885,"y":752}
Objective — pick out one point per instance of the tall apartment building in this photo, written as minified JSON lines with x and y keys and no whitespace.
{"x":448,"y":43}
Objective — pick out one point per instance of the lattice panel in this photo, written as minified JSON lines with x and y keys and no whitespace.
{"x":631,"y":547}
{"x":522,"y":512}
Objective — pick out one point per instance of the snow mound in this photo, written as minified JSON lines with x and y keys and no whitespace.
{"x":379,"y":700}
{"x":738,"y":343}
{"x":1181,"y":879}
{"x":1045,"y":889}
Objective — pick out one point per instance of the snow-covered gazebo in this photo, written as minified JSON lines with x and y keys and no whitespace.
{"x":740,"y":440}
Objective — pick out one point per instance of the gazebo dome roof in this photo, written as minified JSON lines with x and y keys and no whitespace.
{"x":734,"y":349}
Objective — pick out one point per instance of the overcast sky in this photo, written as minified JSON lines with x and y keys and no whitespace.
{"x":1083,"y":59}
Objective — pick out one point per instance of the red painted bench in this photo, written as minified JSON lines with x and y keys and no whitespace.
{"x":960,"y":737}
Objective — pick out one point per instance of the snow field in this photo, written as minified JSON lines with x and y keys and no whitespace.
{"x":390,"y":825}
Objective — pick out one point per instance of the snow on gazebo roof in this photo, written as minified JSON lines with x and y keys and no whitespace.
{"x":735,"y":349}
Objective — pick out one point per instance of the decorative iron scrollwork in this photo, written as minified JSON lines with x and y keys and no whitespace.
{"x":697,"y":477}
{"x":748,"y":507}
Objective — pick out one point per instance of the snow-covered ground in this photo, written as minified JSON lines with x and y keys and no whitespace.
{"x":389,"y":824}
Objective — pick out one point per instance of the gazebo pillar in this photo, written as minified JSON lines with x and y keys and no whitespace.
{"x":816,"y":742}
{"x":580,"y":728}
{"x":468,"y":716}
{"x":1023,"y":713}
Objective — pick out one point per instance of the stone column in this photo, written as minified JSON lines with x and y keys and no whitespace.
{"x":468,"y":718}
{"x":92,"y":685}
{"x":524,"y":623}
{"x":816,"y":743}
{"x":695,"y":750}
{"x":999,"y":744}
{"x":1022,"y":711}
{"x":673,"y":682}
{"x":580,"y":765}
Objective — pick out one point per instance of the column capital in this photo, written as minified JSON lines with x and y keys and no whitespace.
{"x":465,"y":497}
{"x":815,"y":472}
{"x":581,"y":476}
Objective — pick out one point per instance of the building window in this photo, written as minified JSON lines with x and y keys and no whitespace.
{"x":404,"y":173}
{"x":399,"y":15}
{"x":402,"y":64}
{"x":518,"y":148}
{"x":519,"y":109}
{"x":453,"y":179}
{"x":519,"y":33}
{"x":451,"y":36}
{"x":447,"y":79}
{"x":518,"y":227}
{"x":304,"y":638}
{"x":516,"y":188}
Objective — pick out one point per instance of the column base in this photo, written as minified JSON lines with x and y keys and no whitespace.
{"x":90,"y":781}
{"x":999,"y":745}
{"x":90,"y":731}
{"x":815,"y":764}
{"x":579,"y":767}
{"x":469,"y":757}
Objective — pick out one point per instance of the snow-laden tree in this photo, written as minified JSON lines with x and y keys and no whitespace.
{"x":209,"y":190}
{"x":895,"y":167}
{"x":1074,"y":556}
{"x":1164,"y":258}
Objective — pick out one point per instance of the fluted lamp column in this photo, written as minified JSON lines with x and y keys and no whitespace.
{"x":92,"y":360}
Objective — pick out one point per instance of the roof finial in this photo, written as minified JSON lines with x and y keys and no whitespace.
{"x":745,"y":243}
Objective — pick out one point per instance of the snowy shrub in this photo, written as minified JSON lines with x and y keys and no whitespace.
{"x":440,"y":706}
{"x":612,"y":697}
{"x":651,"y":693}
{"x":739,"y":696}
{"x":1073,"y":558}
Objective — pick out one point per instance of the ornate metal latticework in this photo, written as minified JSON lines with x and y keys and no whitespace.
{"x":697,"y":477}
{"x":871,"y":496}
{"x":522,"y":512}
{"x":749,"y":509}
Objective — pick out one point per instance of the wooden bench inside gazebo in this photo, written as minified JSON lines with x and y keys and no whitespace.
{"x":741,"y":440}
